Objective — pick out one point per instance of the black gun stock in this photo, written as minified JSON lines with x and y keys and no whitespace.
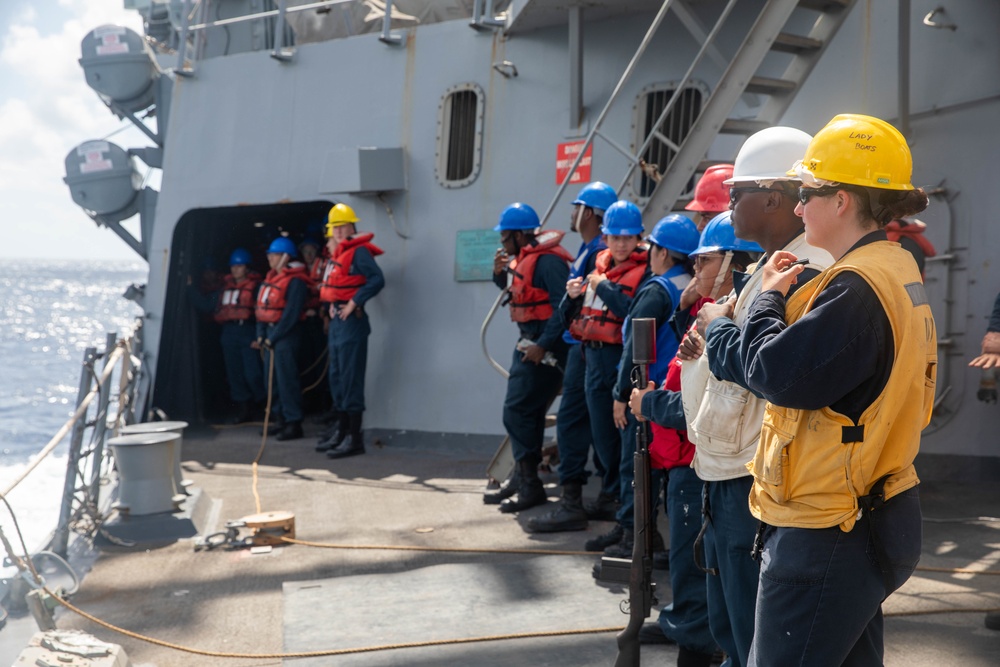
{"x":640,"y":581}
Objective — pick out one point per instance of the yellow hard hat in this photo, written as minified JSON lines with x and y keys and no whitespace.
{"x":857,"y":150}
{"x":340,"y":214}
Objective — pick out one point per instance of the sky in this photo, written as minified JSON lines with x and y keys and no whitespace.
{"x":47,"y":109}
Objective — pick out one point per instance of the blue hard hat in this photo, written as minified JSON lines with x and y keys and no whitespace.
{"x":623,"y":218}
{"x":282,"y":245}
{"x":311,"y":240}
{"x":239,"y":256}
{"x":596,"y":195}
{"x":517,"y":216}
{"x":719,"y":235}
{"x":675,"y":232}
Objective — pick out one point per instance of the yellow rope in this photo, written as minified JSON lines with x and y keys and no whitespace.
{"x":955,"y":570}
{"x":373,"y":547}
{"x":263,"y":437}
{"x":341,"y":651}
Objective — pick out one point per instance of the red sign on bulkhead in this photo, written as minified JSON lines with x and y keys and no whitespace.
{"x":565,"y":156}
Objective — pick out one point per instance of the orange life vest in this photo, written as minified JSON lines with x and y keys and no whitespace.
{"x":316,"y":271}
{"x":596,"y":322}
{"x":527,"y":302}
{"x":338,"y":283}
{"x":236,"y":301}
{"x":274,"y":292}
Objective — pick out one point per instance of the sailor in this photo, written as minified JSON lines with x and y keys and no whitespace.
{"x":595,"y":308}
{"x":718,"y":253}
{"x":909,"y":233}
{"x":313,"y":351}
{"x":352,"y":278}
{"x":671,"y":241}
{"x":847,"y":364}
{"x":280,"y":310}
{"x":711,"y":195}
{"x":534,"y":269}
{"x":573,"y":434}
{"x":232,"y":307}
{"x":235,"y":312}
{"x":763,"y":199}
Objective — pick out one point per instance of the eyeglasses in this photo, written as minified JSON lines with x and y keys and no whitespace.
{"x":805,"y":194}
{"x":705,"y":258}
{"x":736,"y":193}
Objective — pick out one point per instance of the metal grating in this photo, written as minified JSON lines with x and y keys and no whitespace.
{"x":675,"y":128}
{"x":461,"y":150}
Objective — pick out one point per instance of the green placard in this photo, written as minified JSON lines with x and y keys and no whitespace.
{"x":474,"y":251}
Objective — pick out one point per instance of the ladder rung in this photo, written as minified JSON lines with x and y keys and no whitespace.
{"x":743,"y":126}
{"x":790,"y":43}
{"x":824,"y":5}
{"x":768,"y":86}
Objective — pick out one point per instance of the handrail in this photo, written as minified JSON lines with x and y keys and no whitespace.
{"x":267,"y":14}
{"x":81,"y":410}
{"x":595,"y":131}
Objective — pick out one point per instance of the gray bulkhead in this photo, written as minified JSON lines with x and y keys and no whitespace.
{"x":248,"y":129}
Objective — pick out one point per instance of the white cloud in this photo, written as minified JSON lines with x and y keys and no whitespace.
{"x":46,"y":109}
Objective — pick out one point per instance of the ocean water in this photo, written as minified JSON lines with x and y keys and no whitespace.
{"x":50,"y":312}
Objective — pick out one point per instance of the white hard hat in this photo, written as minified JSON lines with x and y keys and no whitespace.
{"x":767,"y":155}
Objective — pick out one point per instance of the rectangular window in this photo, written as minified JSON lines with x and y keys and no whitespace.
{"x":460,"y":131}
{"x":674,"y":129}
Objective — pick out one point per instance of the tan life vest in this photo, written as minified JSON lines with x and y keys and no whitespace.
{"x":811,"y":466}
{"x":724,"y":422}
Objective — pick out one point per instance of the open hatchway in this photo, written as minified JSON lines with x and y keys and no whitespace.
{"x":191,"y":380}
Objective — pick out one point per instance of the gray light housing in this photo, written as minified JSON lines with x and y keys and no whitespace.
{"x":102,"y":179}
{"x":118,"y":66}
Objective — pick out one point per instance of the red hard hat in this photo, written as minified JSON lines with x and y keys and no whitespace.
{"x":711,"y":194}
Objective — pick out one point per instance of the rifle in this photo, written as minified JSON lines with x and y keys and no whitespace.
{"x":641,"y":587}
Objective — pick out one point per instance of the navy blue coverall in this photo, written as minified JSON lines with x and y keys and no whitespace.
{"x":573,"y":434}
{"x":531,"y":388}
{"x":348,"y":339}
{"x":285,"y":336}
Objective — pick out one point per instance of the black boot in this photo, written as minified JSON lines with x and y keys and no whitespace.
{"x":569,"y":515}
{"x":334,"y":435}
{"x":601,"y":542}
{"x":274,"y":425}
{"x":355,"y":444}
{"x":290,"y":431}
{"x":244,"y":413}
{"x":602,"y":508}
{"x":530,"y":492}
{"x":506,"y":490}
{"x":688,"y":658}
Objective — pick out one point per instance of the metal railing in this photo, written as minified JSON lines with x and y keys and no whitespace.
{"x":85,"y":467}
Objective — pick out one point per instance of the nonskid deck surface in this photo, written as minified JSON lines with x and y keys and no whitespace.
{"x":420,"y":489}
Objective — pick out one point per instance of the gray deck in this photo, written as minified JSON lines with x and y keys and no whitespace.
{"x":298,"y":598}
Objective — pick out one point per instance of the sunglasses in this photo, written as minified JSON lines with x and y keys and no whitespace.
{"x":736,"y":193}
{"x":805,"y":194}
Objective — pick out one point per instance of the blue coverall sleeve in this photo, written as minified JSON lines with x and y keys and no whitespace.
{"x":665,"y":408}
{"x":614,"y":297}
{"x":203,"y":303}
{"x":652,"y":301}
{"x":826,"y":354}
{"x":295,"y":301}
{"x":551,"y":274}
{"x":364,"y":265}
{"x":995,"y":317}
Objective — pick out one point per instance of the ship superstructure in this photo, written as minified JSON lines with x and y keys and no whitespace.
{"x":429,"y":117}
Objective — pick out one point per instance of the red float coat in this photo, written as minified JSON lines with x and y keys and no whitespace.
{"x":596,"y":322}
{"x":671,"y":448}
{"x":338,"y":283}
{"x":274,"y":292}
{"x":236,"y":300}
{"x":527,"y":302}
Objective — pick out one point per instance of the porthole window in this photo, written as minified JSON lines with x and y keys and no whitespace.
{"x":673,"y":130}
{"x":460,"y":135}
